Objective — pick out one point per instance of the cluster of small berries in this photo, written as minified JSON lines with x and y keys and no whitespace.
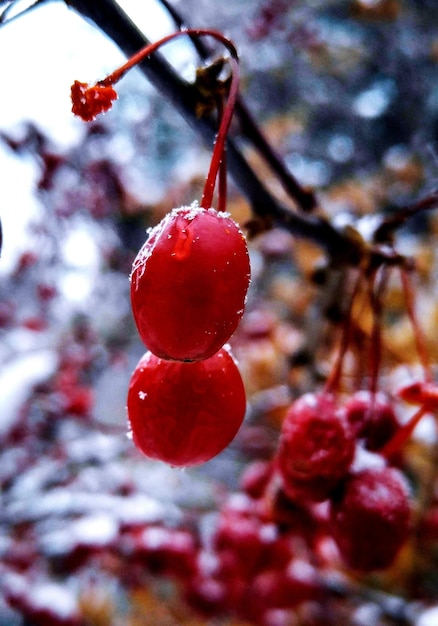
{"x":332,"y":452}
{"x":186,"y":399}
{"x":328,"y":498}
{"x":329,"y":484}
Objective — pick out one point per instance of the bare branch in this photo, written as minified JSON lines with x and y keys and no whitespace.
{"x":113,"y":21}
{"x":4,"y":14}
{"x":391,"y":223}
{"x":305,"y":199}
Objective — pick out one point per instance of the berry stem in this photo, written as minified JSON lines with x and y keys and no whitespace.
{"x":150,"y":48}
{"x":396,"y":443}
{"x":222,"y":186}
{"x":218,"y":155}
{"x":332,"y":383}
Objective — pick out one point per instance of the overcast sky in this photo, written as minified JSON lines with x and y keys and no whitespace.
{"x":41,"y":54}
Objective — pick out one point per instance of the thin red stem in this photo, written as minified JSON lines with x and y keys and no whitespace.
{"x":396,"y":443}
{"x":218,"y":156}
{"x":222,"y":187}
{"x":219,"y":146}
{"x":222,"y":191}
{"x":150,"y":48}
{"x":332,"y":383}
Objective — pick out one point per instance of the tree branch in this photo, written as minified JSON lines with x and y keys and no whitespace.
{"x":113,"y":21}
{"x":305,"y":199}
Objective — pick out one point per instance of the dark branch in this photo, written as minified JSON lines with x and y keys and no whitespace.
{"x":4,"y":14}
{"x":113,"y":21}
{"x":388,"y":226}
{"x":304,"y":198}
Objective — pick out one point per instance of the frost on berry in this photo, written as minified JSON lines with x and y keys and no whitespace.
{"x":316,"y":447}
{"x":185,"y":413}
{"x":90,"y":100}
{"x":189,"y":284}
{"x":372,"y":418}
{"x":371,"y":518}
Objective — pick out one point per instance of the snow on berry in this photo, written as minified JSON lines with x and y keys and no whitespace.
{"x":185,"y":413}
{"x":189,"y":284}
{"x":316,"y":447}
{"x":371,"y":518}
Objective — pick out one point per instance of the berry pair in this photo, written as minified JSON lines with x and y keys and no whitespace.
{"x":186,"y":398}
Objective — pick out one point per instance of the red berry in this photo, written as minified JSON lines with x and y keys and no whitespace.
{"x":372,"y":418}
{"x":164,"y":551}
{"x":283,"y":588}
{"x":371,"y":518}
{"x":35,"y":323}
{"x":189,"y":284}
{"x":77,"y":400}
{"x":256,"y":478}
{"x":243,"y":542}
{"x":185,"y":413}
{"x":206,"y":595}
{"x":316,"y":447}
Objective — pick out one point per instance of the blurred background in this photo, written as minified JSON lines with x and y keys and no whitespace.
{"x":91,"y":532}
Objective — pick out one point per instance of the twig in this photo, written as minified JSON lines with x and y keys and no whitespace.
{"x":4,"y":19}
{"x":343,"y":247}
{"x":391,"y":223}
{"x":304,"y":198}
{"x":110,"y":18}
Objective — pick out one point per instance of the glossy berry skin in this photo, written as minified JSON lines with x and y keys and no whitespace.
{"x":185,"y":413}
{"x":316,"y":447}
{"x":371,"y":518}
{"x":189,"y":284}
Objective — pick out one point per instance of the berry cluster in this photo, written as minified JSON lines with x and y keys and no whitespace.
{"x":186,"y":398}
{"x":335,"y":475}
{"x":323,"y":457}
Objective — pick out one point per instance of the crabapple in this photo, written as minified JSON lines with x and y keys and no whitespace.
{"x":372,"y":418}
{"x":165,"y":551}
{"x":370,"y":518}
{"x":256,"y":478}
{"x":189,"y":284}
{"x":316,"y":447}
{"x":185,"y":413}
